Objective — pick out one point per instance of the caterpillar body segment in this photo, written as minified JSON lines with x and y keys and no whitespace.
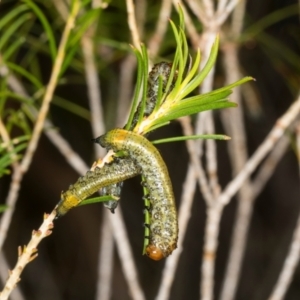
{"x":162,"y":69}
{"x":163,"y":216}
{"x":118,"y":170}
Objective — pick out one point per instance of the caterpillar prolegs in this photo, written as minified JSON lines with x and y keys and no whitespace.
{"x":163,"y":216}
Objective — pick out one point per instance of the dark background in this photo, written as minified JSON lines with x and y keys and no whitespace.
{"x":66,"y":267}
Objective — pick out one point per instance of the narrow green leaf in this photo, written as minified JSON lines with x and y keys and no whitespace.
{"x":145,"y":82}
{"x":156,"y":126}
{"x":178,"y":54}
{"x":96,"y":200}
{"x":82,"y":24}
{"x":12,"y":14}
{"x":15,"y":96}
{"x":9,"y":31}
{"x":191,"y":74}
{"x":72,"y":107}
{"x":7,"y":159}
{"x":137,"y":90}
{"x":204,"y":72}
{"x":192,"y":137}
{"x":201,"y":99}
{"x":47,"y":27}
{"x":230,"y":86}
{"x":159,"y":93}
{"x":25,"y":74}
{"x":14,"y":141}
{"x":14,"y":46}
{"x":185,"y":47}
{"x":172,"y":115}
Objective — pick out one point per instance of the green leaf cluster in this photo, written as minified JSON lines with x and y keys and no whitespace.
{"x":11,"y":153}
{"x":187,"y":78}
{"x":177,"y":103}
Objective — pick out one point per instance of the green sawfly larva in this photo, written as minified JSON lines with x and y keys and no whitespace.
{"x":162,"y":69}
{"x":163,"y":216}
{"x":118,"y":170}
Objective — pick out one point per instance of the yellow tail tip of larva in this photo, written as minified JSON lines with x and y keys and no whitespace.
{"x":154,"y":253}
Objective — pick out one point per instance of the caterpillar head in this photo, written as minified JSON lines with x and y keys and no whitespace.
{"x":154,"y":252}
{"x":68,"y":201}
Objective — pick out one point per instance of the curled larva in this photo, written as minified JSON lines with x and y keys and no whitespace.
{"x":162,"y":69}
{"x":92,"y":181}
{"x":163,"y":216}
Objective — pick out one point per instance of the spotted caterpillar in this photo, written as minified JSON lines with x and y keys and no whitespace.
{"x":163,"y":217}
{"x":162,"y":69}
{"x":92,"y":181}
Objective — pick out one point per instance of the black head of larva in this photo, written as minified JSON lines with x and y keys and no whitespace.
{"x":100,"y":140}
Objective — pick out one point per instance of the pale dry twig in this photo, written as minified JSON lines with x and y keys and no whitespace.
{"x":292,"y":258}
{"x":233,"y":121}
{"x":267,"y":145}
{"x":160,"y":28}
{"x":26,"y":161}
{"x":27,"y":254}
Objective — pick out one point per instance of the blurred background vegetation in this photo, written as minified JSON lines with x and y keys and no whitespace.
{"x":67,"y":264}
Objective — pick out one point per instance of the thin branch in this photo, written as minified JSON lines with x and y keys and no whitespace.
{"x":233,"y":119}
{"x":62,"y":8}
{"x":197,"y":8}
{"x":128,"y":67}
{"x":106,"y":253}
{"x":221,"y":5}
{"x":169,"y":271}
{"x":50,"y":89}
{"x":240,"y":233}
{"x":292,"y":260}
{"x":27,"y":254}
{"x":212,"y":225}
{"x":141,"y":9}
{"x":24,"y":165}
{"x":132,"y":24}
{"x":196,"y":162}
{"x":223,"y":15}
{"x":6,"y":139}
{"x":268,"y":144}
{"x":268,"y":166}
{"x":212,"y":228}
{"x":4,"y":269}
{"x":161,"y":28}
{"x":105,"y":259}
{"x":93,"y":84}
{"x":238,"y":17}
{"x":125,"y":253}
{"x":211,"y":158}
{"x":208,"y":8}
